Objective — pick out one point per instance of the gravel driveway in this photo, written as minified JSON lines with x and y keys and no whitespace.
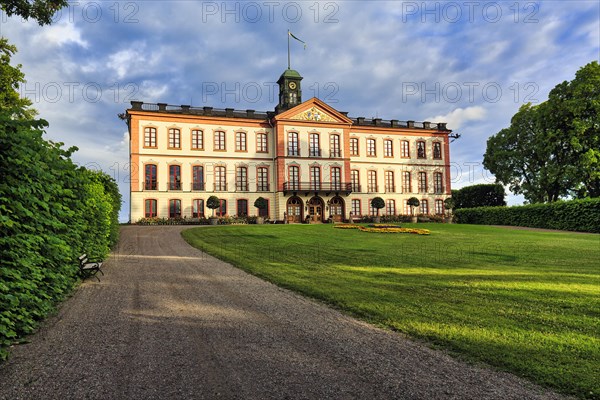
{"x":168,"y":321}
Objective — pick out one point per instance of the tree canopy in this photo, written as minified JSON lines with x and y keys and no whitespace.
{"x":40,"y":10}
{"x":552,"y":150}
{"x":484,"y":195}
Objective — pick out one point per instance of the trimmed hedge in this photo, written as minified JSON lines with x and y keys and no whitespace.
{"x":51,"y":211}
{"x":575,"y":215}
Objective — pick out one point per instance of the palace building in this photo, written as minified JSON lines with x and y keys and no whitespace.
{"x":308,"y":160}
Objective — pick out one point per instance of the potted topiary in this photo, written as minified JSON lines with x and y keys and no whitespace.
{"x":449,"y":204}
{"x":378,"y":204}
{"x":413,"y":202}
{"x":261,"y":204}
{"x":213,"y":203}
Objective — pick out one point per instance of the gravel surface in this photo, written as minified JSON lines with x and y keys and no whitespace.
{"x":168,"y":321}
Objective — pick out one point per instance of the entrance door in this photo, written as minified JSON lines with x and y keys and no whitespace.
{"x":294,"y":210}
{"x":336,"y":207}
{"x":315,"y":209}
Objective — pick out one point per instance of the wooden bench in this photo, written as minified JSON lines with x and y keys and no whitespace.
{"x":88,"y":268}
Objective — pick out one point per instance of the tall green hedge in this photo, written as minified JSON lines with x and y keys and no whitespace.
{"x":574,"y":215}
{"x":51,"y":211}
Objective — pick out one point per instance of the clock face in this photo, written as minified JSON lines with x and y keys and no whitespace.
{"x":292,"y":85}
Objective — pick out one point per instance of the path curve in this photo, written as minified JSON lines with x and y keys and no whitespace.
{"x":168,"y":321}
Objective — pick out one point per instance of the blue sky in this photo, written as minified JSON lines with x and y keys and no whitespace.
{"x":468,"y":63}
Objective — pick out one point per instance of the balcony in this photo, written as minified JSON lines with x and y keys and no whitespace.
{"x":312,"y":152}
{"x":335,"y":154}
{"x":293,"y":153}
{"x":241,"y":187}
{"x":198,"y":186}
{"x":390,"y":189}
{"x":175,"y":185}
{"x":262,"y":187}
{"x":220,"y":187}
{"x":151,"y":185}
{"x":319,"y":187}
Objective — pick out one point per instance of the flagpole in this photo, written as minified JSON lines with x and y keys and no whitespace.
{"x":288,"y":35}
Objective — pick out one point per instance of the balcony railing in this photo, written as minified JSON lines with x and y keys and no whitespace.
{"x":220,"y":187}
{"x":176,"y":185}
{"x":264,"y":187}
{"x":312,"y":152}
{"x":241,"y":187}
{"x":151,"y":185}
{"x":372,"y":189}
{"x":390,"y":189}
{"x":328,"y":187}
{"x":198,"y":186}
{"x":335,"y":154}
{"x":293,"y":152}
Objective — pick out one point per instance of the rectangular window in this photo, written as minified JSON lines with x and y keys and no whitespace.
{"x":242,"y":208}
{"x":174,"y":177}
{"x":264,"y":212}
{"x":220,"y":179}
{"x":315,"y":178}
{"x":438,"y":182}
{"x":372,"y":181}
{"x":241,"y":179}
{"x":353,"y":146}
{"x":240,"y":141}
{"x":197,"y":140}
{"x":334,"y":146}
{"x":336,"y":181}
{"x":356,"y":207}
{"x":424,"y":207}
{"x":222,"y":210}
{"x":389,"y":182}
{"x":150,"y":208}
{"x":150,"y":180}
{"x":354,"y":177}
{"x":294,"y":178}
{"x":197,"y":177}
{"x":406,"y":184}
{"x":405,"y":149}
{"x":390,"y":207}
{"x":261,"y":143}
{"x":371,"y":152}
{"x":174,"y":138}
{"x":421,"y":150}
{"x":293,"y":149}
{"x":197,"y":208}
{"x":423,"y":182}
{"x":150,"y":137}
{"x":314,"y":146}
{"x":388,"y":148}
{"x":262,"y":179}
{"x":219,"y":140}
{"x":437,"y":150}
{"x":175,"y":208}
{"x":439,"y":207}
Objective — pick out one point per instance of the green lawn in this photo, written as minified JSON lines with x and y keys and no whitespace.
{"x":523,"y":301}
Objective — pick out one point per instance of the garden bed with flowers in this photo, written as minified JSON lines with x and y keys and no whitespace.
{"x":383,"y":228}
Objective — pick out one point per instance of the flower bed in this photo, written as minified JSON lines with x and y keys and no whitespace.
{"x":383,"y":228}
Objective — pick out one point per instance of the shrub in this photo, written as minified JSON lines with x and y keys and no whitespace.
{"x":574,"y":215}
{"x":378,"y":204}
{"x":213,"y":203}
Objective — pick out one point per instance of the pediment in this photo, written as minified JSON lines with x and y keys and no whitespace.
{"x":314,"y":110}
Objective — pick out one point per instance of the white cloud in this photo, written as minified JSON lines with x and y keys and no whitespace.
{"x":456,"y":118}
{"x":59,"y":35}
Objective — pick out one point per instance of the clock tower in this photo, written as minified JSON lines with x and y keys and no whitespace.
{"x":290,"y":94}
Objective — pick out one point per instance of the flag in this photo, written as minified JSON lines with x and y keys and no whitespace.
{"x":301,"y":41}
